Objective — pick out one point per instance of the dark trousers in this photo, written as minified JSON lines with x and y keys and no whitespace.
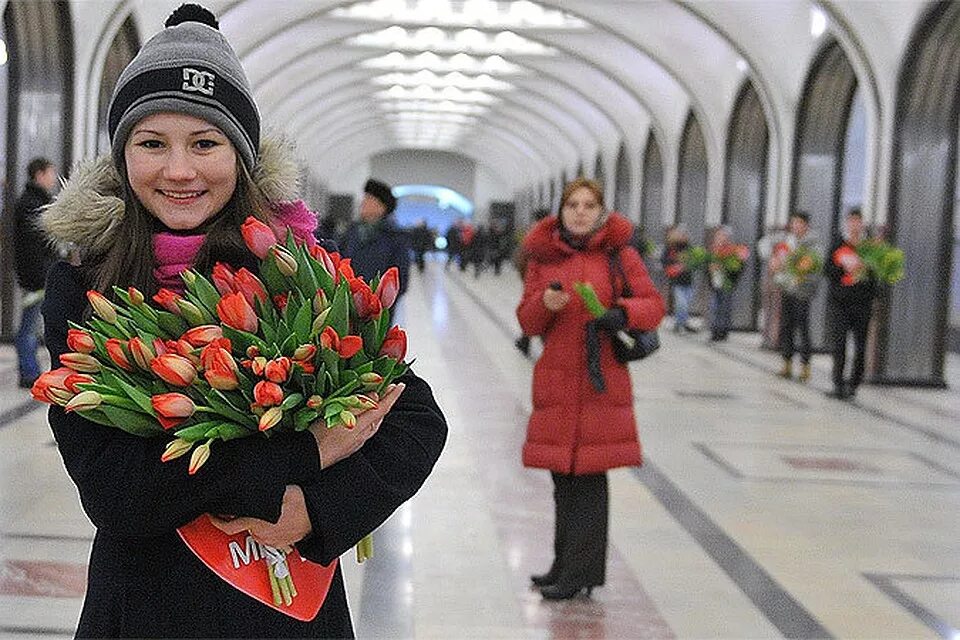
{"x":844,"y":319}
{"x":580,"y":532}
{"x":795,"y":316}
{"x":722,"y":310}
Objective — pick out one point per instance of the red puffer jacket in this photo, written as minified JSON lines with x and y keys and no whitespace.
{"x":573,"y":428}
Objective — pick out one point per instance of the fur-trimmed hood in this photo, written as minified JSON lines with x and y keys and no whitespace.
{"x":89,"y":207}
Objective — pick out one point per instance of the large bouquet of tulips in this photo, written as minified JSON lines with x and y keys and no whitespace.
{"x":869,"y":259}
{"x":796,"y":266}
{"x":244,"y":355}
{"x":725,"y":264}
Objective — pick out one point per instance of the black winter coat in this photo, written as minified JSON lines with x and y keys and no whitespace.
{"x":34,"y":255}
{"x":859,"y":294}
{"x":144,"y":582}
{"x":386,"y":246}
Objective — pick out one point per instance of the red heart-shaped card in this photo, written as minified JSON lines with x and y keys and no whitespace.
{"x":240,"y":561}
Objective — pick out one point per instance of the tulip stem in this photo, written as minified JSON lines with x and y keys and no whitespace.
{"x":274,"y":585}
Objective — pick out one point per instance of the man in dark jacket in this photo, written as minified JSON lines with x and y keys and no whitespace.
{"x":849,"y":304}
{"x":34,"y":256}
{"x":375,"y":243}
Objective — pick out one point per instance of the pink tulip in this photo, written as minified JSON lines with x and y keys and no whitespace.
{"x":389,"y":287}
{"x":224,"y":278}
{"x":258,"y":237}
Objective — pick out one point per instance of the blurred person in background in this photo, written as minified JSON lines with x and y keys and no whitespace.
{"x":34,"y":255}
{"x":375,"y":242}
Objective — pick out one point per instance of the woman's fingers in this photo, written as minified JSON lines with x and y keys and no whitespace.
{"x":234,"y":526}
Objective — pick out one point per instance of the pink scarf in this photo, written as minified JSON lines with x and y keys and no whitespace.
{"x":172,"y":253}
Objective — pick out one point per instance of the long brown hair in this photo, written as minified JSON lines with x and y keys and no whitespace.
{"x":130,"y":261}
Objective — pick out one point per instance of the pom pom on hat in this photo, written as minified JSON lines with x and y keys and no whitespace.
{"x":189,"y":68}
{"x":192,"y":13}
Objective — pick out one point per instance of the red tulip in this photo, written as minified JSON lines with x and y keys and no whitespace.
{"x":168,"y":300}
{"x":236,"y":312}
{"x":346,"y":269}
{"x":349,"y":346}
{"x":117,"y":351}
{"x":280,"y":300}
{"x":172,"y":408}
{"x":203,"y":335}
{"x":186,"y":350}
{"x":365,"y":301}
{"x":141,"y":352}
{"x":251,"y":287}
{"x":329,"y":339}
{"x":80,"y":362}
{"x":259,"y":366}
{"x":305,"y":352}
{"x":278,"y":370}
{"x":267,"y":394}
{"x":258,"y":236}
{"x":160,"y":347}
{"x":220,"y":369}
{"x":174,"y":369}
{"x":395,"y":344}
{"x":80,"y":341}
{"x":224,"y":278}
{"x":389,"y":287}
{"x":75,"y":379}
{"x":51,"y":386}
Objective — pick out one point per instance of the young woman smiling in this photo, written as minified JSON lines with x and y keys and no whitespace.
{"x":187,"y":167}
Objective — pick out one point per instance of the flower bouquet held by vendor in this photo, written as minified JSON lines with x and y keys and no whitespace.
{"x":271,"y":409}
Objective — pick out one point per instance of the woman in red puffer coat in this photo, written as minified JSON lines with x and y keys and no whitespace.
{"x":576,"y":431}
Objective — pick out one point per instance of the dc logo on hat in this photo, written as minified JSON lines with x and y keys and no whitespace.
{"x":198,"y":81}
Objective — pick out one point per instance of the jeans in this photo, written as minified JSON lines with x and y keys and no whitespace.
{"x":26,"y":341}
{"x":682,"y":295}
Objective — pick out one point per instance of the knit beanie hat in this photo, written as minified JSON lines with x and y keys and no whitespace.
{"x":381,"y":191}
{"x":190,"y":68}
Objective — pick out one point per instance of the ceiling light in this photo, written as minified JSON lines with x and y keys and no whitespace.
{"x":493,"y":65}
{"x":490,"y":14}
{"x":436,"y":39}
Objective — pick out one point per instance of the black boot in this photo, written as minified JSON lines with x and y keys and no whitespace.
{"x":544,"y":579}
{"x":557,"y":592}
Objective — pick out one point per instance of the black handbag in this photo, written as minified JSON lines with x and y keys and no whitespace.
{"x":644,"y":342}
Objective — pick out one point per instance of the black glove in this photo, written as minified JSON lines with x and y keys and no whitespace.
{"x":594,"y":370}
{"x":613,"y":320}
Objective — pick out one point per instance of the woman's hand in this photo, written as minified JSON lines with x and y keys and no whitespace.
{"x":292,"y":527}
{"x":554,"y":299}
{"x":339,"y":442}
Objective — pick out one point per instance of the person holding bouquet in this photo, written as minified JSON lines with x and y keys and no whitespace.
{"x":188,"y":166}
{"x":794,"y":262}
{"x":849,"y":303}
{"x":576,"y":431}
{"x":680,"y":276}
{"x":724,"y":268}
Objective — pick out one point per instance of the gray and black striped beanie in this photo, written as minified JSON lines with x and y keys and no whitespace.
{"x":189,"y":67}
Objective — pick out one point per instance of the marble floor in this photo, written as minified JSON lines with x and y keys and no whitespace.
{"x":764,"y":509}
